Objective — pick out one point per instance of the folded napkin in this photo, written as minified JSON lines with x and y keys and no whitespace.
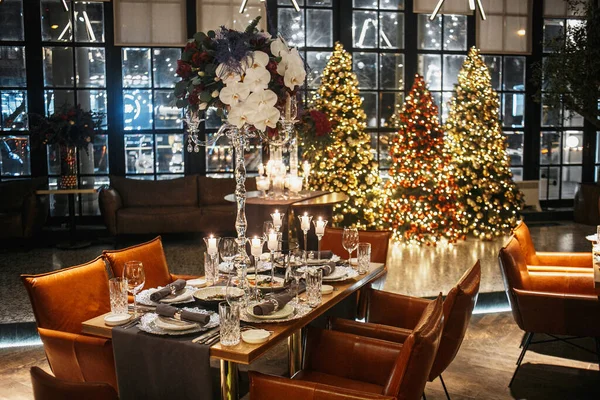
{"x":328,"y":268}
{"x":167,"y":290}
{"x":267,"y":306}
{"x":169,"y":311}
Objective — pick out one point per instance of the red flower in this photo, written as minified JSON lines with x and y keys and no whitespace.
{"x":272,"y":66}
{"x":184,"y":70}
{"x":191,"y":46}
{"x":193,"y":99}
{"x":200,"y":58}
{"x":322,"y":124}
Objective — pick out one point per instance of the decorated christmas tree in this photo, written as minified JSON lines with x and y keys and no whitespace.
{"x":420,"y":195}
{"x":345,"y":164}
{"x":491,"y":201}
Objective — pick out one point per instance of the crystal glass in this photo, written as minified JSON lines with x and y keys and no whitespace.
{"x":228,"y":250}
{"x":314,"y":281}
{"x":256,"y":248}
{"x":210,"y":269}
{"x":363,"y":257}
{"x":305,"y":226}
{"x":267,"y":227}
{"x":277,"y":220}
{"x":212,"y":250}
{"x":118,"y":295}
{"x":272,"y":245}
{"x":134,"y":274}
{"x":320,"y":225}
{"x":229,"y":314}
{"x":350,"y":241}
{"x":297,"y":269}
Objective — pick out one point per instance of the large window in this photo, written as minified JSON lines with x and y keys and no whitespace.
{"x":74,"y":68}
{"x":14,"y":141}
{"x":507,"y":28}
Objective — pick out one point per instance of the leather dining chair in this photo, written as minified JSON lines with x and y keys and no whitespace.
{"x":553,"y":303}
{"x":47,"y":387}
{"x":550,"y":261}
{"x":380,"y":242}
{"x":397,"y":326}
{"x":61,"y":301}
{"x":152,"y":256}
{"x":340,"y":365}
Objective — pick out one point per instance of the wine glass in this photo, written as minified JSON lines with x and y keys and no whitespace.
{"x":298,"y":267}
{"x":228,"y":250}
{"x":136,"y":277}
{"x":267,"y":227}
{"x":350,"y":241}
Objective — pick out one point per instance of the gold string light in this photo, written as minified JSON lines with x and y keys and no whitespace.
{"x":347,"y":165}
{"x":491,"y":201}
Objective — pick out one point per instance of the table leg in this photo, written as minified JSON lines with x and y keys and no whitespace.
{"x":295,"y":352}
{"x":229,"y":380}
{"x":72,"y":226}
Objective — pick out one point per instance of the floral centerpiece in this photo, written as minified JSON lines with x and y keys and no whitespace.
{"x":315,"y":128}
{"x":247,"y":76}
{"x":70,"y":128}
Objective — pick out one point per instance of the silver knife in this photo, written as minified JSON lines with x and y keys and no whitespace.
{"x":206,"y":335}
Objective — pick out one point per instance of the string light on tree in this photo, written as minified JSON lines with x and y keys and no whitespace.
{"x":346,"y":165}
{"x":491,"y":201}
{"x":420,"y":202}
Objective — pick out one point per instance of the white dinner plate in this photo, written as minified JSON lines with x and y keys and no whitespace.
{"x":285,"y":312}
{"x":278,"y":283}
{"x":185,"y":296}
{"x":216,"y":294}
{"x":170,"y":324}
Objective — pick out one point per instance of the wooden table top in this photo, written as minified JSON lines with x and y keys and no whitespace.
{"x":245,"y":353}
{"x":252,"y":198}
{"x":66,"y":191}
{"x":326,"y":199}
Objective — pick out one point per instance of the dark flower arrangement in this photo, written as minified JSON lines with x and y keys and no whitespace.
{"x":315,"y":128}
{"x":70,"y":126}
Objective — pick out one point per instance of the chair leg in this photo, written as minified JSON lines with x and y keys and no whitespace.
{"x":520,"y":359}
{"x":523,"y":340}
{"x":444,"y":386}
{"x":424,"y":397}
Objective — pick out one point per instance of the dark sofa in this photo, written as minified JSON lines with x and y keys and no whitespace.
{"x":22,"y":212}
{"x":190,"y":204}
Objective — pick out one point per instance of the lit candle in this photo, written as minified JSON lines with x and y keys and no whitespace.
{"x":295,"y":184}
{"x":272,"y":243}
{"x":256,"y":247}
{"x":277,"y":219}
{"x":305,"y":222}
{"x":278,"y":182}
{"x":262,"y":183}
{"x":212,"y":245}
{"x":320,"y":226}
{"x":261,"y":169}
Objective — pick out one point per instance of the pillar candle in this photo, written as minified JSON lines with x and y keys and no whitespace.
{"x":272,"y":242}
{"x":305,"y":222}
{"x":212,"y":246}
{"x":320,"y":226}
{"x":256,"y":247}
{"x":277,"y":219}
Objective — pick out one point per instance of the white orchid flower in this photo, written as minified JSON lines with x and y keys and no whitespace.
{"x":279,"y":48}
{"x":225,"y":75}
{"x":234,"y":93}
{"x":257,"y":79}
{"x":293,"y":59}
{"x":294,"y":77}
{"x":258,"y":59}
{"x":268,"y":116}
{"x":240,"y":115}
{"x":261,"y":100}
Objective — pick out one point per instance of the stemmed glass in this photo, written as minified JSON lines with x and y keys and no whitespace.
{"x":298,"y":266}
{"x":228,"y":250}
{"x":256,"y":248}
{"x":212,"y":248}
{"x":305,"y":226}
{"x":267,"y":227}
{"x":320,"y":225}
{"x":135,"y":275}
{"x":273,"y":245}
{"x":350,"y":241}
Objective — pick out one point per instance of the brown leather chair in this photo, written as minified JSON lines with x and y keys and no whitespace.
{"x":61,"y":301}
{"x":47,"y":387}
{"x":338,"y":363}
{"x":22,"y":212}
{"x":397,"y":326}
{"x":554,"y":303}
{"x":152,"y":255}
{"x":380,"y":241}
{"x":550,"y":261}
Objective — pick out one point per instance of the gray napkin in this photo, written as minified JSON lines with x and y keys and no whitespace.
{"x":328,"y":268}
{"x":165,"y":310}
{"x":167,"y":290}
{"x":267,"y":307}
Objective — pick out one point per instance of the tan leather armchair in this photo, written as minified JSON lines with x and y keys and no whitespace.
{"x":341,"y":364}
{"x":22,"y":212}
{"x":550,"y":261}
{"x":554,"y":303}
{"x":380,"y":242}
{"x":47,"y":387}
{"x":397,"y":326}
{"x":61,"y":301}
{"x":152,"y":255}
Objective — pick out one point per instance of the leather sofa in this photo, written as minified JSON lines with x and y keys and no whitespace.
{"x":189,"y":204}
{"x":22,"y":212}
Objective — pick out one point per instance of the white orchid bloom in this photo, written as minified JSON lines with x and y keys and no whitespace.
{"x":234,"y":93}
{"x":279,"y":48}
{"x":268,"y":116}
{"x":294,"y":77}
{"x":261,"y":100}
{"x":240,"y":115}
{"x":293,"y":59}
{"x":225,"y":75}
{"x":257,"y":79}
{"x":258,"y":59}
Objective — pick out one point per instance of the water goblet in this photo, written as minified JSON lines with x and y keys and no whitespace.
{"x":350,"y":241}
{"x":135,"y":275}
{"x":298,"y":267}
{"x":256,"y":248}
{"x":267,"y":227}
{"x":228,"y":250}
{"x":273,"y":245}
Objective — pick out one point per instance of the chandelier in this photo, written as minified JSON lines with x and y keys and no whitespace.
{"x":473,"y":6}
{"x":245,"y":2}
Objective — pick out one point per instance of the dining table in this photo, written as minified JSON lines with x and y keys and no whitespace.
{"x":231,"y":357}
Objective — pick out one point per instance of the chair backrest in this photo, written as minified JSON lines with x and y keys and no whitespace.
{"x":151,"y":254}
{"x":521,"y":233}
{"x":47,"y":387}
{"x":414,"y":362}
{"x":513,"y":267}
{"x":458,"y":308}
{"x":380,"y":242}
{"x":63,"y":299}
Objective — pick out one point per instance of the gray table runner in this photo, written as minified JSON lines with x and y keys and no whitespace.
{"x":161,"y":367}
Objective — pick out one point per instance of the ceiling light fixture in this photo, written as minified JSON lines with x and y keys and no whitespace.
{"x":473,"y":6}
{"x":245,"y":3}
